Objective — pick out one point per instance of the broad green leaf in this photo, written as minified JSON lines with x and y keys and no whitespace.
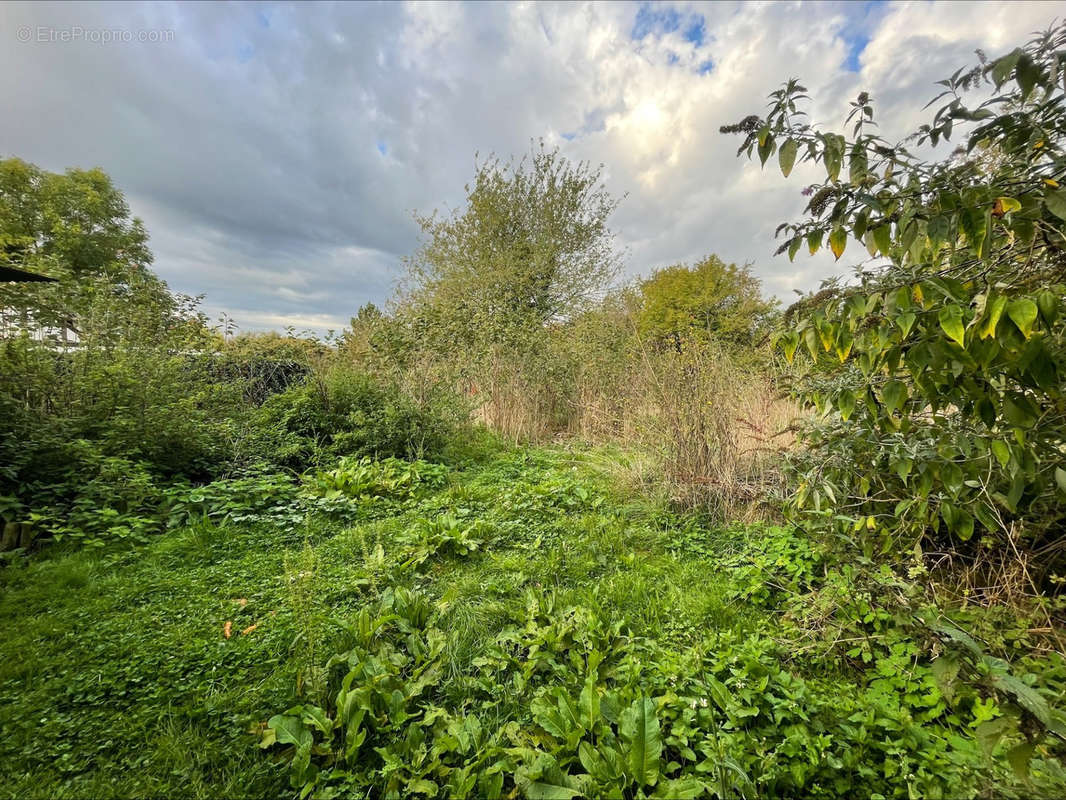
{"x":846,"y":404}
{"x":422,"y":786}
{"x":951,"y":323}
{"x":1055,"y":201}
{"x":589,"y":701}
{"x":1048,"y":302}
{"x":1020,"y":411}
{"x":883,"y":238}
{"x":1023,"y":313}
{"x":290,"y":730}
{"x":1002,"y":67}
{"x":1019,"y":757}
{"x":857,"y":165}
{"x":794,"y":247}
{"x":640,"y":731}
{"x":1025,"y":695}
{"x":766,"y":148}
{"x":789,"y":343}
{"x":838,"y":240}
{"x":679,"y":789}
{"x":993,"y":311}
{"x":990,"y":732}
{"x":539,"y":790}
{"x":833,"y":155}
{"x":843,"y":344}
{"x":894,"y":394}
{"x":1027,"y":73}
{"x":905,"y":323}
{"x":814,"y":241}
{"x":1001,"y":452}
{"x":787,"y":156}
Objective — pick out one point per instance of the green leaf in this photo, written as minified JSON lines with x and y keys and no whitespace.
{"x":1055,"y":201}
{"x":894,"y":394}
{"x":290,"y":730}
{"x":834,"y":155}
{"x":422,"y":786}
{"x":990,"y":732}
{"x":794,"y":247}
{"x":1027,"y":73}
{"x":905,"y":323}
{"x":883,"y":238}
{"x":766,"y":148}
{"x":589,"y":703}
{"x":814,"y":241}
{"x":951,"y":323}
{"x":1002,"y":67}
{"x":680,"y":789}
{"x":838,"y":240}
{"x":994,"y":307}
{"x":1023,"y":313}
{"x":1001,"y":452}
{"x":640,"y":730}
{"x":857,"y":165}
{"x":538,"y":790}
{"x":1019,"y":757}
{"x":1025,"y":695}
{"x":787,"y":156}
{"x":846,"y":404}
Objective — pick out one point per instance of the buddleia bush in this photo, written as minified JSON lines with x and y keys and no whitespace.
{"x":936,"y":375}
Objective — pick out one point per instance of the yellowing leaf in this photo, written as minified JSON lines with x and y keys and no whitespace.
{"x":838,"y":240}
{"x":993,"y":311}
{"x":787,"y":156}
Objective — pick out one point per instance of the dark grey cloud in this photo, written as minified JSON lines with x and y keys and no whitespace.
{"x":276,"y":151}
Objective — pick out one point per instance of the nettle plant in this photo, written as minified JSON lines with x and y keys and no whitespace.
{"x":937,"y":374}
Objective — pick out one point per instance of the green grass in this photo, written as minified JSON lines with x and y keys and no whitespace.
{"x":116,"y":679}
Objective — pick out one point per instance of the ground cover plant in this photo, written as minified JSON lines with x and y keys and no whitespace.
{"x":523,"y":533}
{"x":516,"y":625}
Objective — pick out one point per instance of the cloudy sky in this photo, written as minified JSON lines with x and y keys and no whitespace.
{"x":276,"y":152}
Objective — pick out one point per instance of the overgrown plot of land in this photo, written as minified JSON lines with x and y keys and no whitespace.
{"x":515,"y":626}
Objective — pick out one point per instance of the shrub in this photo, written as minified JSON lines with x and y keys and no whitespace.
{"x":344,"y":412}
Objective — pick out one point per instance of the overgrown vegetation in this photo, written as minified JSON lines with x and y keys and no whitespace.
{"x":527,"y":533}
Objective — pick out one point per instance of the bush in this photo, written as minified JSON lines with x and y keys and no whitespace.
{"x":344,"y":412}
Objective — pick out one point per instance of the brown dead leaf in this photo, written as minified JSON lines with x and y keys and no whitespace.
{"x":249,"y":629}
{"x":227,"y":629}
{"x":242,"y":602}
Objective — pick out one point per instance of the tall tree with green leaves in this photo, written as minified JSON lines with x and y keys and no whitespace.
{"x":530,"y":246}
{"x":710,"y":300}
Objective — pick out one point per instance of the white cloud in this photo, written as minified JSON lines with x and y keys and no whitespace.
{"x":276,"y":152}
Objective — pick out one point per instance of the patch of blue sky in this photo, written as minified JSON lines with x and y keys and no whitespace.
{"x":856,"y":42}
{"x":655,"y":18}
{"x":705,"y":67}
{"x":696,"y":32}
{"x":382,"y":148}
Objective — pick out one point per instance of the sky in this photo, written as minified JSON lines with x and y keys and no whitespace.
{"x":278,"y":152}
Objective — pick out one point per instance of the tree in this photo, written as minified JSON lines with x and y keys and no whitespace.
{"x":937,"y":375}
{"x":530,"y":246}
{"x":711,"y":300}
